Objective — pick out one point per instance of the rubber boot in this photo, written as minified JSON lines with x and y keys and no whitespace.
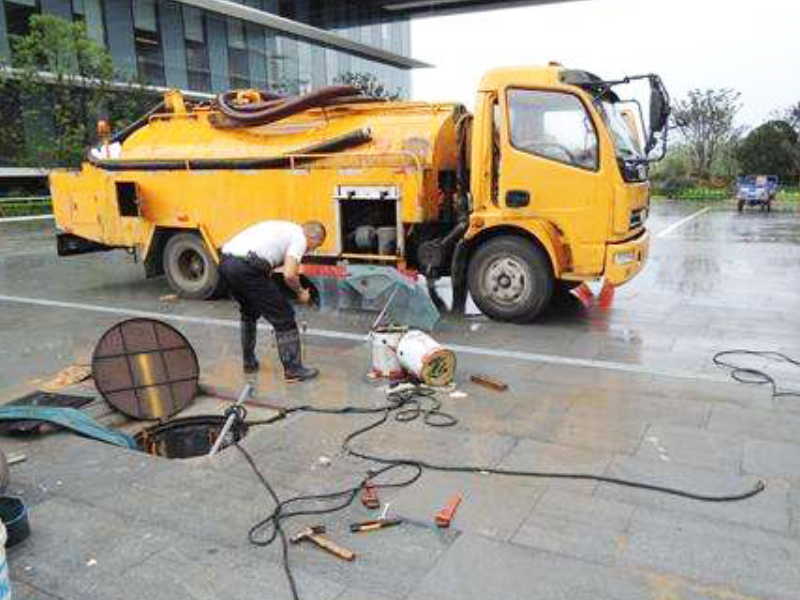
{"x":249,"y":360}
{"x":289,"y":351}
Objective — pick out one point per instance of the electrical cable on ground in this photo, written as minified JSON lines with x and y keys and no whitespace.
{"x":756,"y":376}
{"x":408,"y":405}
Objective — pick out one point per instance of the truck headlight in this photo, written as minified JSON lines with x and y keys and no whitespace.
{"x":624,"y":258}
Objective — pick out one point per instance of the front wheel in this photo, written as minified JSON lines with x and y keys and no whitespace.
{"x":510,"y":279}
{"x":190,"y":268}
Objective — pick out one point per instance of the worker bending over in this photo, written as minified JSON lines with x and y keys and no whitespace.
{"x":248,"y":260}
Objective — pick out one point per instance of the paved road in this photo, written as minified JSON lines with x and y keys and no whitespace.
{"x":626,"y":390}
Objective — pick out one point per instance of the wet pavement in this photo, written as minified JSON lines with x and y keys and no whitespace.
{"x":625,"y":388}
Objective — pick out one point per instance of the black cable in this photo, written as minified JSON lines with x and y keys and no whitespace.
{"x":756,"y":376}
{"x":408,"y":405}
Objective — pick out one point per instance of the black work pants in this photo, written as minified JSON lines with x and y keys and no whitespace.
{"x":257,"y":295}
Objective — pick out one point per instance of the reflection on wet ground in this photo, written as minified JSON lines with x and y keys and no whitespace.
{"x":620,"y":384}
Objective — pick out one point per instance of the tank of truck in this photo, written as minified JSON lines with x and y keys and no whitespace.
{"x":380,"y":164}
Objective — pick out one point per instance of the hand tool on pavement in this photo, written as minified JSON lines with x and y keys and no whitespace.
{"x":247,"y":390}
{"x":369,"y":496}
{"x":364,"y":526}
{"x":314,"y":534}
{"x":489,"y":382}
{"x":444,"y":516}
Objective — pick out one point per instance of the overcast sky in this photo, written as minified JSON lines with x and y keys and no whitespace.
{"x":752,"y":46}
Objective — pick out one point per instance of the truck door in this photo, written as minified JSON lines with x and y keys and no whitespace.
{"x":550,"y":169}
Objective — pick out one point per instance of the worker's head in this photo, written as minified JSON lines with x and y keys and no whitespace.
{"x":315,"y":234}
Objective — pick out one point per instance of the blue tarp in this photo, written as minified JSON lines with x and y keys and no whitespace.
{"x":72,"y":419}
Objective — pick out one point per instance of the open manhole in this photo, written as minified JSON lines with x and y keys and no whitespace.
{"x":187,"y":437}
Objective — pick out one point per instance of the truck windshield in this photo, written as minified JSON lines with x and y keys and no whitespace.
{"x":627,"y":147}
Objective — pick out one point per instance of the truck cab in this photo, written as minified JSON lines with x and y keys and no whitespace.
{"x":559,"y":189}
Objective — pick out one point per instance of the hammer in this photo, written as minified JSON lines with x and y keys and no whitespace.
{"x":313,"y":533}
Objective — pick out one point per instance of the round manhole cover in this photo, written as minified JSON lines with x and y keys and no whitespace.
{"x":145,"y":369}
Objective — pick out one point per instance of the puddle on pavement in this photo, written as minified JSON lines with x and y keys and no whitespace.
{"x":187,"y":437}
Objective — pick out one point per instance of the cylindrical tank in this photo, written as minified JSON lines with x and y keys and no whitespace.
{"x":426,"y":359}
{"x":385,"y":362}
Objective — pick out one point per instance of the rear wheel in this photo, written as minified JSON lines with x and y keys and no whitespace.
{"x":190,"y":268}
{"x":510,"y":279}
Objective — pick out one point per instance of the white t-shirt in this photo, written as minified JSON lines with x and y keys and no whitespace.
{"x":270,"y":240}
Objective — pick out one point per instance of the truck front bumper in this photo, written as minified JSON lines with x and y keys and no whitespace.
{"x":625,"y":259}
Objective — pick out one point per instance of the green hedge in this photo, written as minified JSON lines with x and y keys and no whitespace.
{"x":24,"y":207}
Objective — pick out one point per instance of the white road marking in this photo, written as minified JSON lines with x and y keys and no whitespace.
{"x":21,"y":219}
{"x":356,"y":337}
{"x":682,"y":222}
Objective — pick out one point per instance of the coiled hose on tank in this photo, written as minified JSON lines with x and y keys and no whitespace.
{"x":270,"y":108}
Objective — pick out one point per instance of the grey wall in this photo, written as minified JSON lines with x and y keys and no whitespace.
{"x":218,"y":52}
{"x":119,"y":28}
{"x":174,"y":47}
{"x":5,"y":50}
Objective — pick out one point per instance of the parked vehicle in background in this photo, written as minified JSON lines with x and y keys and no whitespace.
{"x":756,"y":190}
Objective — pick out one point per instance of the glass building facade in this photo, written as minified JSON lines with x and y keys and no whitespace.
{"x":186,"y":46}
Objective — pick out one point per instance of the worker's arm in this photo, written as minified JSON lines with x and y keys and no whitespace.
{"x":291,"y":275}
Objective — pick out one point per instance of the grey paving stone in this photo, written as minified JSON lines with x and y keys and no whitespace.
{"x":583,"y":527}
{"x":389,"y":562}
{"x":492,"y":505}
{"x":767,"y":510}
{"x":74,"y":547}
{"x":691,"y":446}
{"x":530,"y":455}
{"x":715,"y":554}
{"x":767,"y":425}
{"x":184,"y":571}
{"x":23,"y":591}
{"x":641,"y":407}
{"x":774,"y":459}
{"x":478,"y":568}
{"x":216,"y":508}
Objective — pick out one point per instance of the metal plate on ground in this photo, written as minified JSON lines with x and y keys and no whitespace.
{"x":145,"y":369}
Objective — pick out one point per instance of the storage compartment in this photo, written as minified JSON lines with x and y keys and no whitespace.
{"x":368,"y":223}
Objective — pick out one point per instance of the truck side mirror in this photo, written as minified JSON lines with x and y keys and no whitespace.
{"x":659,"y":110}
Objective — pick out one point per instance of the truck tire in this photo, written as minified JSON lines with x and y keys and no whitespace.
{"x":510,"y":279}
{"x":190,"y":268}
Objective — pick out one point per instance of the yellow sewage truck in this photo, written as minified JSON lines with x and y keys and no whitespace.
{"x":544,"y":186}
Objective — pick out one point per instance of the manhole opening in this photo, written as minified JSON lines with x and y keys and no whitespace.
{"x":187,"y":437}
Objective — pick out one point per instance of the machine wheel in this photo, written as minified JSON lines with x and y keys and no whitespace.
{"x":190,"y":268}
{"x":510,"y":279}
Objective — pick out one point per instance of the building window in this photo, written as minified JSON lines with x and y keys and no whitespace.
{"x":238,"y":59}
{"x":149,"y":53}
{"x":197,"y":65}
{"x":18,"y":14}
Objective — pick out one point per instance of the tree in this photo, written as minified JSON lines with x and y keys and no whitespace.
{"x":58,"y":84}
{"x":369,"y":85}
{"x":770,"y":149}
{"x":705,"y":120}
{"x":793,"y":116}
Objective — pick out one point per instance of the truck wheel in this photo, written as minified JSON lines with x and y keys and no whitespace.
{"x":510,"y":279}
{"x":190,"y":268}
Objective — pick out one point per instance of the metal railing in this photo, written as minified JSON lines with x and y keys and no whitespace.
{"x":25,"y":206}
